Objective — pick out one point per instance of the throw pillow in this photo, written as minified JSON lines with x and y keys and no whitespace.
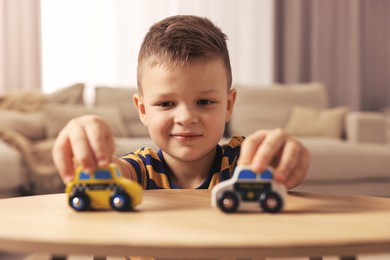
{"x":69,"y":95}
{"x":304,"y":121}
{"x":57,"y":116}
{"x":123,"y":99}
{"x":30,"y":125}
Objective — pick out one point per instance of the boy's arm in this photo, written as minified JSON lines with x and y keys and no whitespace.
{"x":286,"y":154}
{"x":124,"y":169}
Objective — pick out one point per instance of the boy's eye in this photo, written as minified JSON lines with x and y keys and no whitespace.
{"x":205,"y":102}
{"x":165,"y":104}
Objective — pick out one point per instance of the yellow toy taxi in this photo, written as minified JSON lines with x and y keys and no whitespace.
{"x":105,"y":188}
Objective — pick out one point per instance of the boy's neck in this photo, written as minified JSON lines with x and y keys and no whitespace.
{"x":190,"y":175}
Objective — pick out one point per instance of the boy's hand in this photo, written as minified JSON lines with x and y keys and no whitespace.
{"x":286,"y":154}
{"x":85,"y":141}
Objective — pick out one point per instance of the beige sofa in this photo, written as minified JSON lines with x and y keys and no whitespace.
{"x":349,"y":150}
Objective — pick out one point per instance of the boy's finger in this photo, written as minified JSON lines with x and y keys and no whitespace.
{"x":299,"y":171}
{"x":288,"y":161}
{"x":298,"y":175}
{"x":83,"y":153}
{"x":63,"y":157}
{"x":250,"y":146}
{"x":101,"y":143}
{"x":268,"y":149}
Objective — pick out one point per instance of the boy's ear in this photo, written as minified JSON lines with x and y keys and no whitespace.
{"x":139,"y":104}
{"x":230,"y":104}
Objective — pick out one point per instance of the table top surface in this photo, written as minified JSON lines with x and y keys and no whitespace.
{"x":169,"y":223}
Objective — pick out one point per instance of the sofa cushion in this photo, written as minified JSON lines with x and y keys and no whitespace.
{"x":123,"y":99}
{"x":57,"y":116}
{"x":12,"y":175}
{"x":26,"y":101}
{"x":335,"y":160}
{"x":304,"y":121}
{"x":368,"y":127}
{"x":30,"y":125}
{"x":269,"y":107}
{"x":68,"y":95}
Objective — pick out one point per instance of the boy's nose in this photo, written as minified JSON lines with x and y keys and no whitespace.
{"x":185,"y":116}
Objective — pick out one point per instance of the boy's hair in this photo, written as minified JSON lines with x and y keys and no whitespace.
{"x":181,"y":40}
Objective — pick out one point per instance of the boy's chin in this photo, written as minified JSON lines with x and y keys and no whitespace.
{"x":187,"y":154}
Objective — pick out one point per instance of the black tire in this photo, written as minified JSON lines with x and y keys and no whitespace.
{"x":271,"y":202}
{"x":79,"y":201}
{"x":228,"y":202}
{"x":120,"y":201}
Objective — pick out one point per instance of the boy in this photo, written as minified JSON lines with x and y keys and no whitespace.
{"x":184,"y":98}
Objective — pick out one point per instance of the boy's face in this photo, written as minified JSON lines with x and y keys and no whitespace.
{"x":186,"y":108}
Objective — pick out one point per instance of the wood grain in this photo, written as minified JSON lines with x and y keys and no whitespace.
{"x":177,"y":223}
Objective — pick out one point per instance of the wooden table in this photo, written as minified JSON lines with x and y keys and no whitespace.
{"x":174,"y":223}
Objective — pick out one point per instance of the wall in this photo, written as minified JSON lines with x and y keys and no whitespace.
{"x":97,"y":41}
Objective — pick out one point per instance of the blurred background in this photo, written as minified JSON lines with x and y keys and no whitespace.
{"x":49,"y":44}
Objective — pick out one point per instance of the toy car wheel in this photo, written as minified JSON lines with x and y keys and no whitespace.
{"x":271,"y":202}
{"x":228,"y":202}
{"x":79,"y":201}
{"x":120,"y":201}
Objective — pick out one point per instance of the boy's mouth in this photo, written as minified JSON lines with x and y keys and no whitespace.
{"x":186,"y":136}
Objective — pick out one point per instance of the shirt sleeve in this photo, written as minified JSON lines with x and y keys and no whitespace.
{"x":136,"y":166}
